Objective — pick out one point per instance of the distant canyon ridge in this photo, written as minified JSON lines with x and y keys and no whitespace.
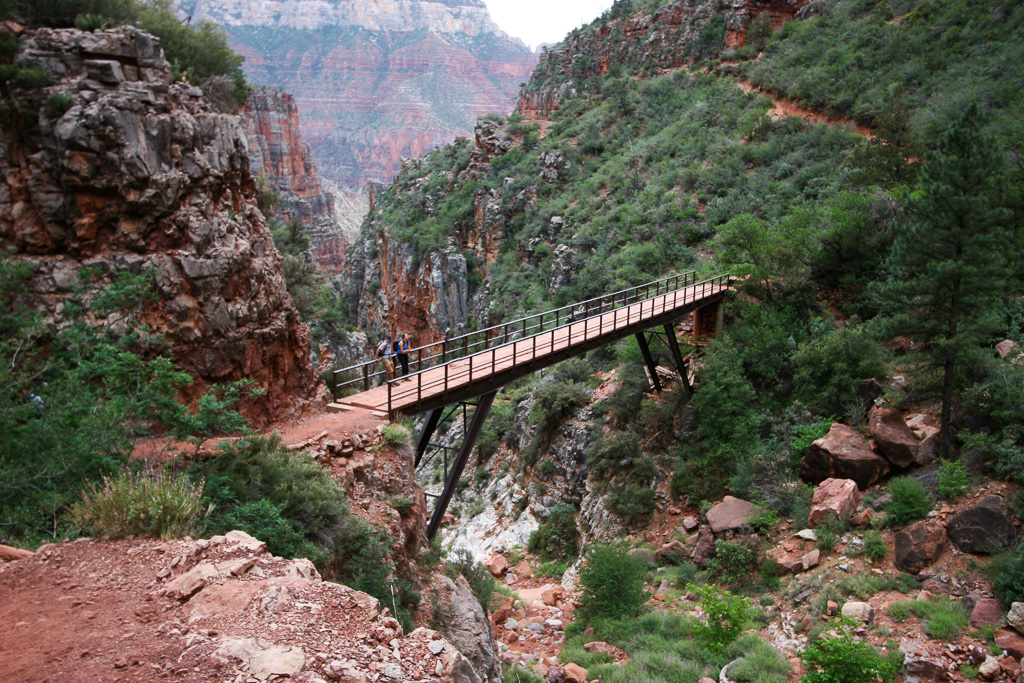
{"x":374,"y":80}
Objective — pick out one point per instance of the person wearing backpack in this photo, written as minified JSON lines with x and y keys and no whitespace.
{"x":384,"y":355}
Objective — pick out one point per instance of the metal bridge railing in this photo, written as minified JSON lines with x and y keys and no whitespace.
{"x":366,"y":374}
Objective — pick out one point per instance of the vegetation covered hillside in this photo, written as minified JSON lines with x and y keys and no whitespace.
{"x":863,"y":258}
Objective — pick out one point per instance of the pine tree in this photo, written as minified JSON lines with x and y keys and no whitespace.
{"x":949,"y":266}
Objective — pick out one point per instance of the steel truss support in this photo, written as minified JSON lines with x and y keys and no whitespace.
{"x":483,"y":406}
{"x":427,"y":433}
{"x":652,"y":369}
{"x":677,"y":356}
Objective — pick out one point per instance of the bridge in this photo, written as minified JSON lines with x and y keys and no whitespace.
{"x":474,"y":366}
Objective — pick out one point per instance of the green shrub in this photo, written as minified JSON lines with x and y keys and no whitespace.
{"x":828,"y":533}
{"x":396,"y":435}
{"x":725,"y":615}
{"x":614,"y":584}
{"x":1007,"y":575}
{"x":554,"y":401}
{"x":136,"y":504}
{"x":831,"y":367}
{"x":908,"y":500}
{"x":631,"y":502}
{"x":552,"y":570}
{"x":843,"y":659}
{"x":262,"y":520}
{"x":899,"y":611}
{"x":942,"y":618}
{"x":969,"y":672}
{"x":952,"y":479}
{"x":401,"y":503}
{"x":557,"y":537}
{"x":874,"y":546}
{"x":58,"y":104}
{"x":732,"y":562}
{"x":91,"y":22}
{"x":481,"y":582}
{"x":519,"y":674}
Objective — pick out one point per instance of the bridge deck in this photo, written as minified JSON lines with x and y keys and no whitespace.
{"x":485,"y":371}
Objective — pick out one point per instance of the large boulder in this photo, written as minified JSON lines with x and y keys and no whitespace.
{"x":893,"y":438}
{"x":705,"y":547}
{"x":468,"y":629}
{"x":1011,"y":642}
{"x":919,"y":545}
{"x":1015,"y":617}
{"x":926,"y":431}
{"x":843,"y":454}
{"x":981,"y":527}
{"x":731,"y":513}
{"x":834,"y":498}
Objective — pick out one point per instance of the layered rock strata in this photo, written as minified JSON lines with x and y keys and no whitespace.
{"x":280,"y":158}
{"x":375,"y":81}
{"x":138,"y":174}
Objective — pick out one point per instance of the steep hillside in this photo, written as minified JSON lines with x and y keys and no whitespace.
{"x":375,"y":82}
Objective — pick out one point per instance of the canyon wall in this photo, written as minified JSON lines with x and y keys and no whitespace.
{"x":376,"y":80}
{"x":138,"y":174}
{"x":677,"y":34}
{"x":281,"y":159}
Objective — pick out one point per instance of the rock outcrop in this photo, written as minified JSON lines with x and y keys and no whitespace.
{"x":281,"y":158}
{"x":674,"y":35}
{"x":375,"y":81}
{"x":837,"y":498}
{"x":982,"y":527}
{"x":919,"y":545}
{"x":141,"y":175}
{"x":843,"y":454}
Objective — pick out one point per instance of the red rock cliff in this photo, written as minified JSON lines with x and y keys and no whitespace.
{"x":142,"y":175}
{"x":672,"y":36}
{"x":279,"y":155}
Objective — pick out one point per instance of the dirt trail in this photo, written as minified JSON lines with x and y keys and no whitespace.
{"x":783,"y":107}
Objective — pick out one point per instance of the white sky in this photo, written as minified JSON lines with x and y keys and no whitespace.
{"x":543,"y":21}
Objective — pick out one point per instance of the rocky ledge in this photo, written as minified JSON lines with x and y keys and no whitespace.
{"x":126,"y":171}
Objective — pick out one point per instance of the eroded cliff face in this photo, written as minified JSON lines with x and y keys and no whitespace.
{"x":280,"y":157}
{"x":396,"y":290}
{"x":140,"y":174}
{"x":678,"y":34}
{"x":374,"y":80}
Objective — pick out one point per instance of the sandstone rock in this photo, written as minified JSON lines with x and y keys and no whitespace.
{"x":690,"y":523}
{"x":673,"y":549}
{"x":705,"y":547}
{"x":345,"y":672}
{"x":981,"y":527}
{"x":245,"y":541}
{"x":732,"y":513}
{"x":833,"y":497}
{"x":990,"y":668}
{"x":1011,"y":642}
{"x":189,"y":583}
{"x":1007,"y":349}
{"x":893,"y":437}
{"x":1015,"y":617}
{"x":860,"y":611}
{"x":831,"y":608}
{"x":988,"y":612}
{"x":918,"y":546}
{"x":843,"y":453}
{"x":497,"y":565}
{"x":917,"y":669}
{"x":552,"y":596}
{"x":575,"y":673}
{"x":807,"y":535}
{"x":10,"y":554}
{"x":862,"y":519}
{"x":278,"y":660}
{"x":810,"y":559}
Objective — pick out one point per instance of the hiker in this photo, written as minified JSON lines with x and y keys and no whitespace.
{"x":384,"y":354}
{"x":402,"y":351}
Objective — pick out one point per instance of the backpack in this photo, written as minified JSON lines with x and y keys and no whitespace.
{"x":396,"y":347}
{"x":380,"y":349}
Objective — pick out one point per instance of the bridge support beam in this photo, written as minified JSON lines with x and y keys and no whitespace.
{"x":677,"y":356}
{"x":641,"y":339}
{"x":427,"y":433}
{"x":483,"y":406}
